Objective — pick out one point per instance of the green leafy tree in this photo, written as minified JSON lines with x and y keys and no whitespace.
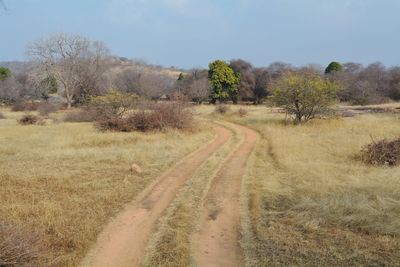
{"x":4,"y":73}
{"x":334,"y":67}
{"x":224,"y":82}
{"x":304,"y":95}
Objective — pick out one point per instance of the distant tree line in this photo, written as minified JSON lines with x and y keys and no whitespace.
{"x":76,"y":69}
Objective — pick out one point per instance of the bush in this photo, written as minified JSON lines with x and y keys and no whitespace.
{"x":221,"y":109}
{"x":30,"y":120}
{"x":113,"y":104}
{"x":25,"y":106}
{"x":2,"y":116}
{"x":304,"y":95}
{"x":159,"y":116}
{"x":115,"y":124}
{"x":18,"y":248}
{"x":242,"y":112}
{"x":46,"y":108}
{"x":383,"y":152}
{"x":83,"y":115}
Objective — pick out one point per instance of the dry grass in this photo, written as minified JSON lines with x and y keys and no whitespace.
{"x":311,"y":202}
{"x":171,"y":245}
{"x":18,"y":248}
{"x":65,"y":180}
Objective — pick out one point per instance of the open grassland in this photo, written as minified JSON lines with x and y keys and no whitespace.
{"x":64,"y":181}
{"x":311,"y":202}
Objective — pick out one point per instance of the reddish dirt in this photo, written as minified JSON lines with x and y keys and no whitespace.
{"x":123,"y":241}
{"x":218,"y":241}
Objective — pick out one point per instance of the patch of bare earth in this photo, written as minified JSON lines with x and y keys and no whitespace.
{"x":218,"y":241}
{"x":123,"y":241}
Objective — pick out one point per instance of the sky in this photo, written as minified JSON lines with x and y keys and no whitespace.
{"x":192,"y":33}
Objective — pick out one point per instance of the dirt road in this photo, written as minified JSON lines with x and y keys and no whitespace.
{"x":123,"y":241}
{"x":218,"y":242}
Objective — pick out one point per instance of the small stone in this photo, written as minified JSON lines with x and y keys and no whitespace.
{"x":135,"y":169}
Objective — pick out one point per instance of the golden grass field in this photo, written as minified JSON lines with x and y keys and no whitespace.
{"x":307,"y":199}
{"x":64,"y":181}
{"x":311,"y":202}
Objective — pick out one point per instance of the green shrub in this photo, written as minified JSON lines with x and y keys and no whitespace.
{"x":304,"y":95}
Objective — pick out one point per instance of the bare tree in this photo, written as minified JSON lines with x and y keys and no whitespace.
{"x":262,"y":82}
{"x":194,"y":85}
{"x":73,"y":60}
{"x":199,"y":90}
{"x":247,"y":78}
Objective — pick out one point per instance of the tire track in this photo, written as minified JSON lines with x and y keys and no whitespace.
{"x":123,"y":241}
{"x":218,"y":241}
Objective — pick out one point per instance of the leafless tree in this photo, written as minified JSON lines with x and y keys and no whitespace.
{"x":247,"y":78}
{"x":194,"y":85}
{"x":262,"y":82}
{"x":144,"y":83}
{"x":73,"y":60}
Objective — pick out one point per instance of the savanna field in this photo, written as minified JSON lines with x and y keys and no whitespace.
{"x":307,"y":197}
{"x":199,"y":133}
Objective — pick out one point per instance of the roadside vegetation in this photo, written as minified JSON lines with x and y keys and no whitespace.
{"x":311,"y":201}
{"x":63,"y":181}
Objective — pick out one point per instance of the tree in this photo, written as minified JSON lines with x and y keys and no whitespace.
{"x":262,"y":81}
{"x":334,"y":67}
{"x":304,"y":94}
{"x":194,"y":85}
{"x":114,"y":103}
{"x":4,"y":73}
{"x":46,"y":87}
{"x":247,"y":78}
{"x":74,"y":61}
{"x":224,"y":82}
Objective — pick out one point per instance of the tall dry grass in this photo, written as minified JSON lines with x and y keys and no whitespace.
{"x":64,"y":181}
{"x":312,"y":202}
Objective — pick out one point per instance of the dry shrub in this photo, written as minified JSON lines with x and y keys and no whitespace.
{"x":25,"y":106}
{"x":83,"y":115}
{"x":221,"y":109}
{"x":383,"y":152}
{"x":46,"y":108}
{"x":30,"y":119}
{"x":242,"y":112}
{"x":18,"y":248}
{"x":173,"y":115}
{"x":2,"y":116}
{"x":115,"y":124}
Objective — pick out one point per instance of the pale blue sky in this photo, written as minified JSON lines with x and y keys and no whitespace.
{"x":191,"y":33}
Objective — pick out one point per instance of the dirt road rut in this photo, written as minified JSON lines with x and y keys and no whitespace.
{"x":218,"y":241}
{"x":123,"y":241}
